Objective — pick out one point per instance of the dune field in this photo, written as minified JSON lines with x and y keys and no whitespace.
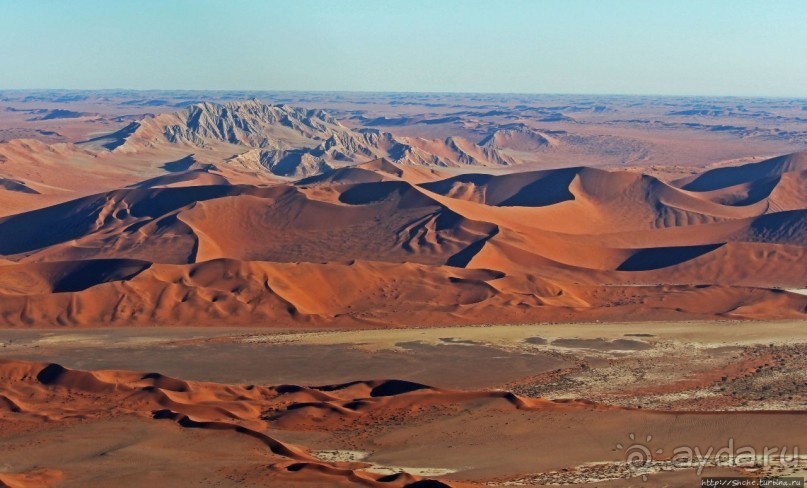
{"x":289,"y":290}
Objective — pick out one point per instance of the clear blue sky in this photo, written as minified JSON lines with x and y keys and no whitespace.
{"x":707,"y":47}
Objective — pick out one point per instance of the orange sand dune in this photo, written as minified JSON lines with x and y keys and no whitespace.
{"x":383,"y":223}
{"x":747,"y":173}
{"x":227,"y":292}
{"x":292,"y":435}
{"x":375,"y":171}
{"x":37,"y":478}
{"x":380,"y":243}
{"x":33,"y":395}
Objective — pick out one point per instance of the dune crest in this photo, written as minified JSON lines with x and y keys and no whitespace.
{"x":387,"y":244}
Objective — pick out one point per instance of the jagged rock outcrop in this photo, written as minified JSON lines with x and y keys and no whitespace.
{"x":250,"y":123}
{"x":296,"y":142}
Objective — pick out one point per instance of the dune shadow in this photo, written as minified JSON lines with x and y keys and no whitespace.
{"x":182,"y":164}
{"x":663,"y":257}
{"x":86,"y":274}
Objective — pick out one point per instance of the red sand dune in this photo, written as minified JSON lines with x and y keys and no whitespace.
{"x":34,"y":395}
{"x":380,"y":243}
{"x":48,"y":401}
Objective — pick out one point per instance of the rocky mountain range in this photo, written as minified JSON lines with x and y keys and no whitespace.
{"x":292,"y":141}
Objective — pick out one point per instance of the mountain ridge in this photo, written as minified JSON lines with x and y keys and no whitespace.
{"x":296,"y":142}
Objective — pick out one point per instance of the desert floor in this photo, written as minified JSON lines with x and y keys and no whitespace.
{"x":608,"y":390}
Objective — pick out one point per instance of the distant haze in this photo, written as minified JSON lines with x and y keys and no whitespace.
{"x":681,"y":47}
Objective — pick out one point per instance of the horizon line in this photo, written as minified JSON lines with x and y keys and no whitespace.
{"x":412,"y":92}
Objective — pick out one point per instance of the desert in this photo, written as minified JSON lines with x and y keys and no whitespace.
{"x":253,"y":293}
{"x":211,"y":238}
{"x":660,"y":384}
{"x":403,"y":244}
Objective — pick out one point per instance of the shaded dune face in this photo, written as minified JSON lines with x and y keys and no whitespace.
{"x":663,"y":257}
{"x":68,"y":276}
{"x":380,"y":243}
{"x":16,"y":186}
{"x":537,"y":189}
{"x":749,"y":173}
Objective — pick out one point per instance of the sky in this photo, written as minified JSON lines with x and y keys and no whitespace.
{"x":660,"y":47}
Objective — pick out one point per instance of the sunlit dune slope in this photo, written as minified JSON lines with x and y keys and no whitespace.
{"x":380,"y":243}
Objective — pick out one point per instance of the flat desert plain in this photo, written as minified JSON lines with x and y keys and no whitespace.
{"x":389,"y":290}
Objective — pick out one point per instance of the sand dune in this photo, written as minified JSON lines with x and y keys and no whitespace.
{"x":348,"y":434}
{"x":360,"y":246}
{"x":730,"y":176}
{"x":225,"y":292}
{"x":389,"y":244}
{"x":374,"y":171}
{"x":205,"y":232}
{"x":37,"y":394}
